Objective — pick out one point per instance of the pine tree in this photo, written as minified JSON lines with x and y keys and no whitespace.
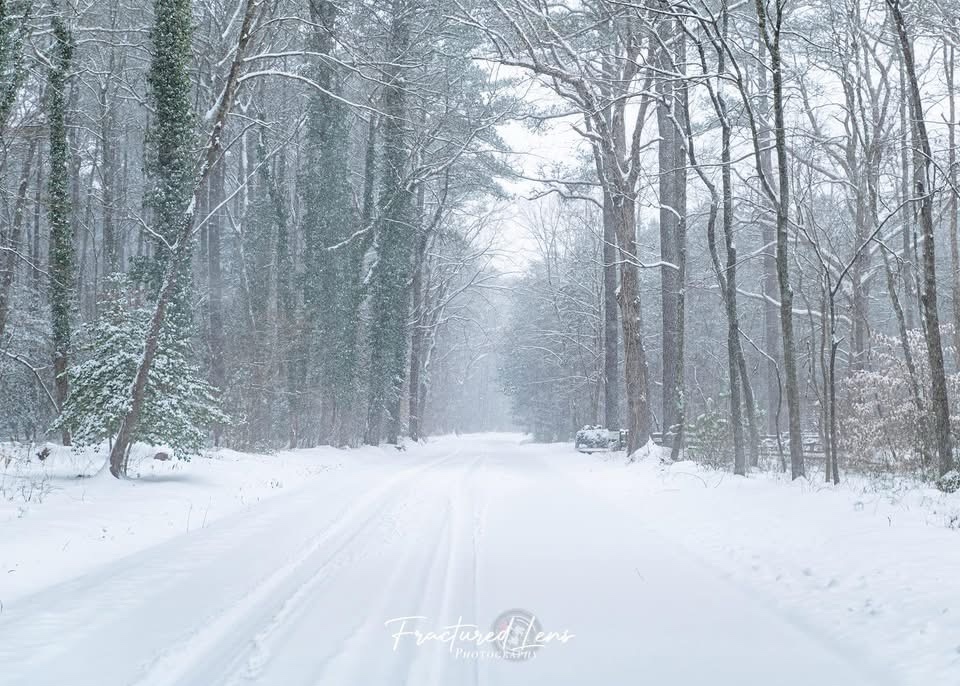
{"x":61,"y":238}
{"x":178,"y":406}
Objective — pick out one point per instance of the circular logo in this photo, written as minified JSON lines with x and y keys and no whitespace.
{"x":517,"y":634}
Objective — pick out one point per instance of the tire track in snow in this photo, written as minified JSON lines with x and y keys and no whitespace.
{"x":438,"y":571}
{"x":105,"y":606}
{"x":313,"y":600}
{"x":213,"y":647}
{"x":456,"y":575}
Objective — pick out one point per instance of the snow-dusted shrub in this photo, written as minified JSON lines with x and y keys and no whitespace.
{"x":881,"y":417}
{"x":179,"y":407}
{"x":593,"y":438}
{"x":949,"y":482}
{"x":709,"y":438}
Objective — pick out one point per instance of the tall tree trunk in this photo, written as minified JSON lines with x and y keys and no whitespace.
{"x":949,"y":65}
{"x":771,"y":35}
{"x":288,"y":334}
{"x":416,"y":352}
{"x":61,"y":255}
{"x":9,"y":273}
{"x":110,"y":247}
{"x":416,"y":364}
{"x":669,"y":219}
{"x":906,"y":131}
{"x":727,"y":280}
{"x":109,"y":172}
{"x":217,"y":341}
{"x":35,"y":271}
{"x":80,"y":235}
{"x":902,"y":334}
{"x":923,"y":184}
{"x":611,"y":334}
{"x":768,"y":235}
{"x":859,"y":315}
{"x":391,"y":288}
{"x":181,"y":250}
{"x":634,"y":354}
{"x":418,"y":322}
{"x":681,"y":113}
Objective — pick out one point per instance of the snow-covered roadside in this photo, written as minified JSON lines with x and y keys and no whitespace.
{"x":856,"y":577}
{"x":875,"y":567}
{"x":55,"y":525}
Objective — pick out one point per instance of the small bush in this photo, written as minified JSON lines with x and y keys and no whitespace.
{"x":709,"y":437}
{"x":593,"y":438}
{"x":949,"y":482}
{"x":881,"y":418}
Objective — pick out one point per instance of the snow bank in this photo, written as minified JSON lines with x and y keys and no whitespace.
{"x":872,"y":563}
{"x":65,"y":515}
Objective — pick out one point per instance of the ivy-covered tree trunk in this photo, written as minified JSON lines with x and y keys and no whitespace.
{"x":331,"y":262}
{"x":390,"y":288}
{"x":266,"y":295}
{"x":169,"y":163}
{"x":170,"y":138}
{"x":61,"y":237}
{"x":173,"y":26}
{"x":14,"y":25}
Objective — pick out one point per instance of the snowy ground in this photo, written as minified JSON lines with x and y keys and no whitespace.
{"x":299,"y":568}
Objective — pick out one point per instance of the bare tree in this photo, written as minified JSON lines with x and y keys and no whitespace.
{"x":924,"y":189}
{"x":534,"y":39}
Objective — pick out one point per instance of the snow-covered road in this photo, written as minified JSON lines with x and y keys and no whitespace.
{"x":311,"y":588}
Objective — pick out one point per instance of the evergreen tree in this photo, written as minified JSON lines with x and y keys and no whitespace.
{"x":61,"y":238}
{"x":178,"y":405}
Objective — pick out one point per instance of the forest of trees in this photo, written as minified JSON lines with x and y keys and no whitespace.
{"x":274,"y":224}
